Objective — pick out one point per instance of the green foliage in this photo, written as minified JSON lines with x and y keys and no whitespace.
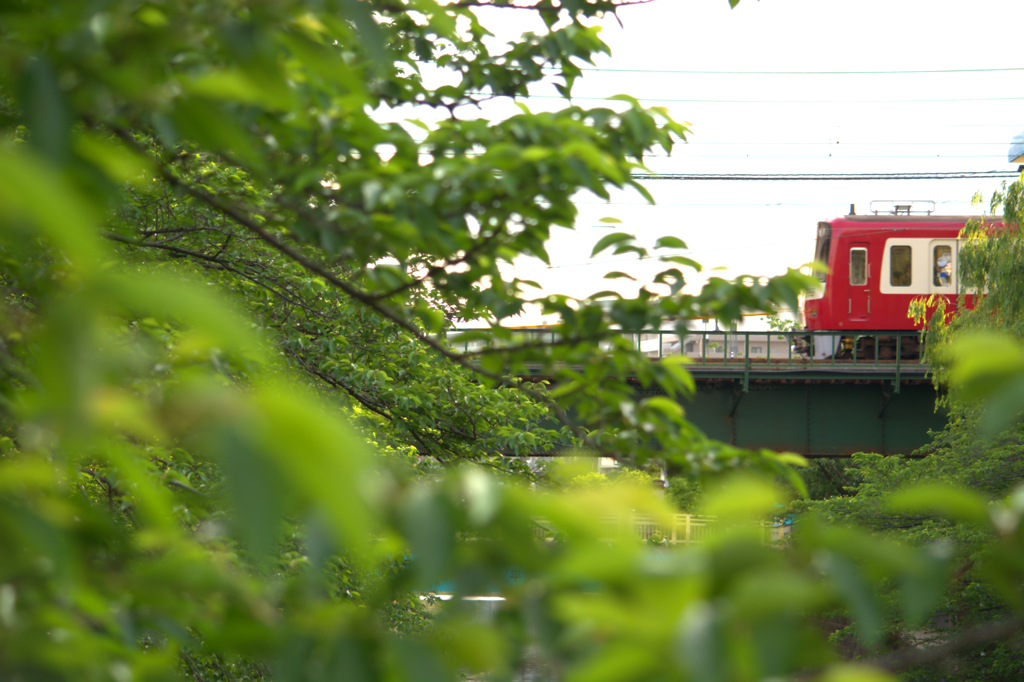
{"x":962,"y":490}
{"x":685,"y":494}
{"x":236,"y":440}
{"x":627,"y":477}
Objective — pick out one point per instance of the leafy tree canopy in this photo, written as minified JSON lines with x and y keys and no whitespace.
{"x":226,"y":275}
{"x":975,"y":352}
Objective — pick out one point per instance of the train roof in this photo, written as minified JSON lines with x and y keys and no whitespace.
{"x":919,"y":218}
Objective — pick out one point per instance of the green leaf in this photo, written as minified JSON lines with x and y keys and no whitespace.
{"x":420,"y":662}
{"x":371,"y":193}
{"x":743,"y":497}
{"x":923,"y":590}
{"x":629,"y":248}
{"x":349,"y":660}
{"x":330,"y":476}
{"x":372,"y":37}
{"x":675,"y":365}
{"x":851,"y":672}
{"x":982,"y":363}
{"x":615,"y":274}
{"x":858,"y":595}
{"x":494,"y":364}
{"x":670,"y":243}
{"x":609,"y":240}
{"x":428,"y":525}
{"x":664,"y":405}
{"x":256,"y":490}
{"x":191,"y":304}
{"x":701,"y":650}
{"x":215,"y":127}
{"x":482,"y":495}
{"x":117,"y":162}
{"x":45,"y":110}
{"x":239,"y":86}
{"x":27,"y":188}
{"x":1003,"y":407}
{"x":940,"y":498}
{"x":626,"y":98}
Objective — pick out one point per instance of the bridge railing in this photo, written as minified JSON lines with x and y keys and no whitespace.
{"x":889,"y":352}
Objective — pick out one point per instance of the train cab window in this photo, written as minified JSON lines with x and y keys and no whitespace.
{"x":942,"y":262}
{"x":858,"y":267}
{"x":899,"y":266}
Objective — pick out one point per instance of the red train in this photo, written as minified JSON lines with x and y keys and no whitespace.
{"x":877,"y":265}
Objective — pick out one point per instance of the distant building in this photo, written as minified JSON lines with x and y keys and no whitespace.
{"x":1016,"y":153}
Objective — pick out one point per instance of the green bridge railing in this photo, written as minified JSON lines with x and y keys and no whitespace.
{"x":776,"y":349}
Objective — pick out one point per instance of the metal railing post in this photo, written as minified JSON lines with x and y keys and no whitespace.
{"x":746,"y":362}
{"x":899,"y":354}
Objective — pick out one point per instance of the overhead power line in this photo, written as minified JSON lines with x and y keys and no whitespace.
{"x":755,"y":204}
{"x":688,"y":154}
{"x":822,"y":143}
{"x":937,"y":100}
{"x":802,"y":73}
{"x":827,"y":176}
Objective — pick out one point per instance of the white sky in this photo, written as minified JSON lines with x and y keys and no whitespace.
{"x":891,"y":122}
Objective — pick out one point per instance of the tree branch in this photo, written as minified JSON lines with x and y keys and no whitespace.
{"x":246,"y":221}
{"x":982,"y":634}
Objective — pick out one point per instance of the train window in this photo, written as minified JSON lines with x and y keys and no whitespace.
{"x":899,"y":266}
{"x":821,"y":246}
{"x":858,"y":267}
{"x":942,"y":260}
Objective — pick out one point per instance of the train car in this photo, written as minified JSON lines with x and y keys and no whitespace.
{"x":877,"y":265}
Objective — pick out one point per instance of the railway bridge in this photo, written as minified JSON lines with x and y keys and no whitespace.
{"x":864,"y":393}
{"x":867,"y":392}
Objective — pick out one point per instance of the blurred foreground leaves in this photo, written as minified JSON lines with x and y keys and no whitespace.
{"x":236,"y":443}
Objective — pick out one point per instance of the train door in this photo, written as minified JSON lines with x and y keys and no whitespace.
{"x":942,"y":257}
{"x":859,"y":294}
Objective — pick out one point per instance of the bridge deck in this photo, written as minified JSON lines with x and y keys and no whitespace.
{"x":820,"y":394}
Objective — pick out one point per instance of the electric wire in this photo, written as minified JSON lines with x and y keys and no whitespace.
{"x":938,"y":100}
{"x":963,"y":175}
{"x":897,"y":72}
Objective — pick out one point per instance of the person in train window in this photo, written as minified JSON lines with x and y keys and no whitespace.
{"x":943,"y":266}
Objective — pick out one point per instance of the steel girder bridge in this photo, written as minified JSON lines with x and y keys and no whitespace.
{"x":849,"y":393}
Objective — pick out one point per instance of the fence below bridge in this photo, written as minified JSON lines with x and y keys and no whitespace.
{"x":681,"y":529}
